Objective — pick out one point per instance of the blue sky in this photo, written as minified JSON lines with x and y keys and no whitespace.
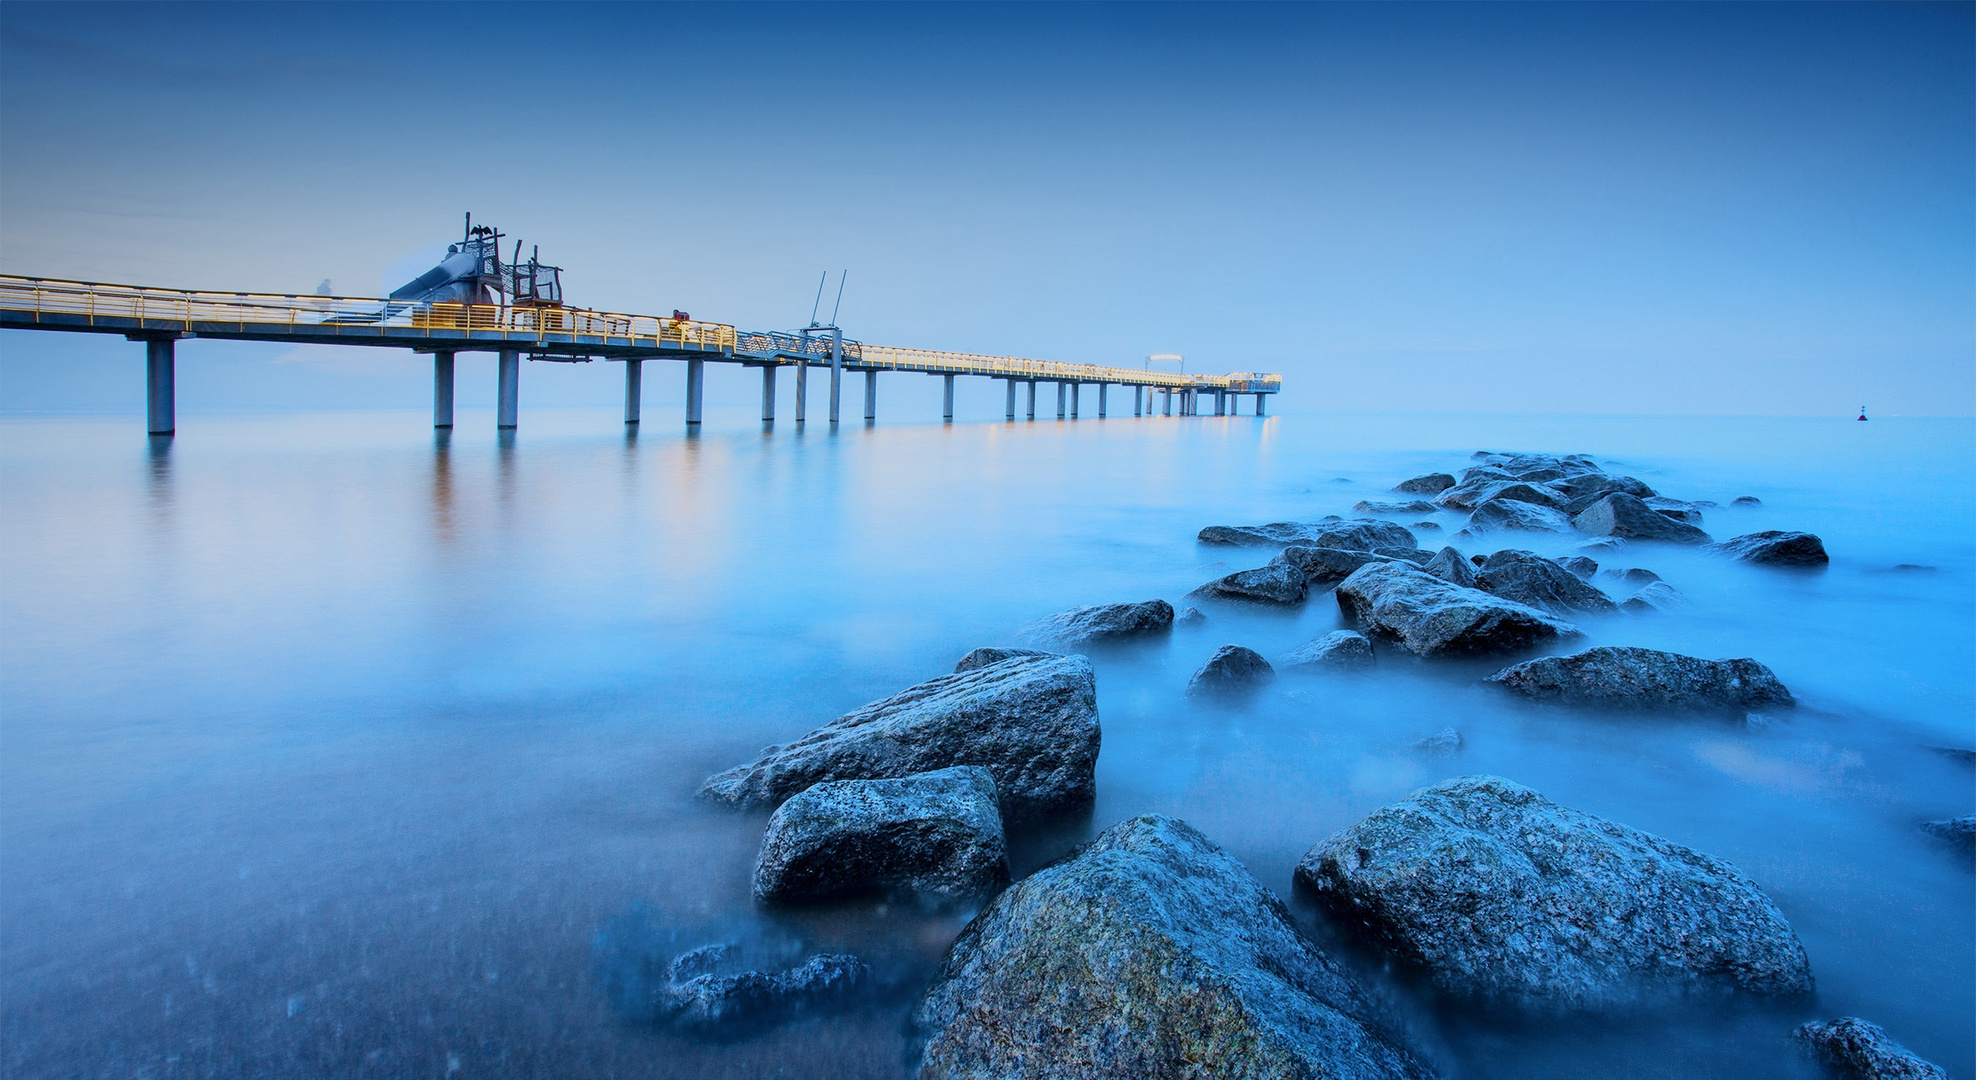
{"x":1532,"y":208}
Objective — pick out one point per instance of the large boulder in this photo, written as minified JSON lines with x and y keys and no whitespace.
{"x":1432,"y":617}
{"x":986,"y":655}
{"x":1233,"y":669}
{"x":1529,"y":493}
{"x":1852,"y":1049}
{"x":1587,"y":488}
{"x":1626,"y":677}
{"x":1417,"y":506}
{"x":1359,"y":535}
{"x":1430,"y":484}
{"x":1579,"y":565}
{"x":1453,"y":567}
{"x":1529,"y":578}
{"x":1276,"y":583}
{"x":1102,"y":623}
{"x":1498,"y":895}
{"x":1149,"y":955}
{"x":1031,"y":721}
{"x":1339,"y":650}
{"x":1320,"y":565}
{"x":1476,"y":485}
{"x":1656,"y":596}
{"x":1676,"y":509}
{"x":1500,"y":515}
{"x":936,"y":835}
{"x":1622,"y":515}
{"x":1774,"y":548}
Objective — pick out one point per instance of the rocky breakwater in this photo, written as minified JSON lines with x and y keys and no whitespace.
{"x":1624,"y":677}
{"x":1359,"y":535}
{"x":1150,"y":954}
{"x":1428,"y":616}
{"x":1627,"y":517}
{"x":1528,"y":578}
{"x":1852,"y":1049}
{"x":1499,"y":896}
{"x":1031,"y":721}
{"x":935,"y":836}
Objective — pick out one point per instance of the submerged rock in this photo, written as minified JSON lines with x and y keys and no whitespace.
{"x":1499,"y":515}
{"x":1580,"y":566}
{"x":1412,"y":555}
{"x":1527,"y":493}
{"x":1676,"y":509}
{"x":1104,"y":623}
{"x":1149,"y":955}
{"x":1619,"y":514}
{"x":1657,"y":596}
{"x":1363,"y":535}
{"x":1430,"y":484}
{"x":1775,"y":548}
{"x":935,"y":835}
{"x":1031,"y":721}
{"x":1418,"y":506}
{"x":1586,"y":489}
{"x":1233,"y":669}
{"x":1324,"y":565}
{"x":1852,"y":1049}
{"x":1339,"y":649}
{"x":1529,"y":578}
{"x":1432,"y":617}
{"x":1430,"y":526}
{"x":1189,"y":617}
{"x":1746,"y":500}
{"x":1453,"y":567}
{"x":1277,"y":583}
{"x":1634,"y":575}
{"x":1445,"y":743}
{"x":1624,"y":677}
{"x":699,"y":998}
{"x":1501,"y":896}
{"x":1476,"y":485}
{"x":1959,"y":832}
{"x":982,"y":657}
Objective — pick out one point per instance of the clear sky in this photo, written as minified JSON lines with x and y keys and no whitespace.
{"x":1599,"y":208}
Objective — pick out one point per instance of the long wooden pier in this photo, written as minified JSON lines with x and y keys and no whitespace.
{"x":162,"y":317}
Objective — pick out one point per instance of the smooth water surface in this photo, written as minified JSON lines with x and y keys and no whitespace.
{"x":329,"y":747}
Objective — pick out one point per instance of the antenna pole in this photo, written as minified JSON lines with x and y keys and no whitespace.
{"x":840,"y":295}
{"x":819,"y":296}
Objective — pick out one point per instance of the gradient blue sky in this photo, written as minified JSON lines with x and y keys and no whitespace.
{"x":1538,"y":208}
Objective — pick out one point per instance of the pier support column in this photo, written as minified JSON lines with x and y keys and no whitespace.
{"x":947,"y":399}
{"x":442,"y":389}
{"x":802,"y":388}
{"x":1259,"y":398}
{"x":696,"y":386}
{"x":768,"y":393}
{"x":1011,"y":383}
{"x":1074,"y":389}
{"x":1166,"y":402}
{"x":1138,"y":392}
{"x":1102,"y":387}
{"x":507,"y":395}
{"x":871,"y":395}
{"x":634,"y":389}
{"x":1031,"y":383}
{"x":1062,"y":394}
{"x":1220,"y":403}
{"x":161,"y":385}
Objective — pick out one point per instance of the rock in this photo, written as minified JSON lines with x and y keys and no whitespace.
{"x":1339,"y":649}
{"x":1620,"y":514}
{"x":1231,"y":670}
{"x":1452,"y":567}
{"x":1625,"y":677}
{"x":1084,"y":626}
{"x":1431,"y":484}
{"x":1499,"y":895}
{"x":1634,"y":575}
{"x":1775,"y":548}
{"x":1189,"y":617}
{"x":1321,"y":565}
{"x":936,"y":835}
{"x":1416,"y":507}
{"x":1445,"y":743}
{"x":1746,"y":500}
{"x":1031,"y":721}
{"x":1364,"y":535}
{"x":1583,"y":567}
{"x":1149,"y":954}
{"x":699,"y":998}
{"x":1476,"y":485}
{"x":1529,"y":578}
{"x":1961,"y":754}
{"x":1586,"y":489}
{"x":1959,"y":832}
{"x":981,"y":658}
{"x":1432,"y":617}
{"x":1430,"y":526}
{"x":1529,"y":493}
{"x":1412,"y":555}
{"x":1852,"y":1049}
{"x":1676,"y":509}
{"x":1277,"y":583}
{"x":1603,"y":545}
{"x":1658,"y":596}
{"x":1498,"y":515}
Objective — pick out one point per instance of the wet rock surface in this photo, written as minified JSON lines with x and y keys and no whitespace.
{"x":1852,"y":1049}
{"x":1656,"y":596}
{"x":1584,"y":490}
{"x":1149,"y":954}
{"x":1232,"y":670}
{"x":1430,"y":484}
{"x":1104,"y":623}
{"x":1189,"y":617}
{"x":1508,"y":515}
{"x":1625,"y":516}
{"x":1624,"y":677}
{"x":1959,"y":832}
{"x":1498,"y":895}
{"x":1362,"y":535}
{"x":700,"y":996}
{"x":935,"y":836}
{"x":1518,"y":491}
{"x":1031,"y":721}
{"x":1339,"y":650}
{"x":1776,"y":548}
{"x":1445,"y":743}
{"x":1676,"y":509}
{"x":1277,"y":583}
{"x":1321,"y":566}
{"x":1453,"y":567}
{"x":1746,"y":500}
{"x":1432,"y":617}
{"x":1529,"y":578}
{"x":981,"y":658}
{"x":1418,"y":506}
{"x":1580,"y":566}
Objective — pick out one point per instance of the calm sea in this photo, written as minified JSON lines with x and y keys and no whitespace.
{"x":332,"y":748}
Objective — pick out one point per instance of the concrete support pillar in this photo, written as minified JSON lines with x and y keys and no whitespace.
{"x":696,"y":386}
{"x":634,"y":389}
{"x":1074,"y":389}
{"x":508,"y":389}
{"x":802,"y":388}
{"x":1063,"y":393}
{"x":836,"y":373}
{"x":1031,"y":383}
{"x":1011,"y":383}
{"x":871,"y":395}
{"x":1102,"y":387}
{"x":1220,"y":403}
{"x":1259,"y":404}
{"x":947,"y":399}
{"x":1138,"y":395}
{"x":442,"y":389}
{"x":1166,"y":401}
{"x":161,"y":385}
{"x":768,"y":393}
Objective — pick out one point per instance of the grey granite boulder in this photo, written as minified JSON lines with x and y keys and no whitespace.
{"x":1676,"y":509}
{"x":1625,"y":677}
{"x":1775,"y":548}
{"x":1432,"y":617}
{"x":1476,"y":485}
{"x":1104,"y":623}
{"x":1529,"y":578}
{"x":1656,"y":596}
{"x":1360,"y":535}
{"x":1149,"y":955}
{"x":703,"y":997}
{"x":1957,"y":832}
{"x":1586,"y":489}
{"x":1189,"y":617}
{"x":1340,"y":650}
{"x":982,"y":657}
{"x":1321,"y":565}
{"x":1537,"y":494}
{"x":1852,"y":1049}
{"x":1622,"y":515}
{"x":1445,"y":743}
{"x":1453,"y":567}
{"x":1430,"y":484}
{"x":1508,"y":515}
{"x":1498,"y":895}
{"x":1426,"y":526}
{"x":934,"y":835}
{"x":1418,"y":506}
{"x":1031,"y":721}
{"x":1412,"y":555}
{"x":1277,"y":583}
{"x":1580,"y":566}
{"x":1634,"y":575}
{"x":1233,"y":669}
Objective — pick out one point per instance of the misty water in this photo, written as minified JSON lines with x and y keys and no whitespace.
{"x":332,"y":748}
